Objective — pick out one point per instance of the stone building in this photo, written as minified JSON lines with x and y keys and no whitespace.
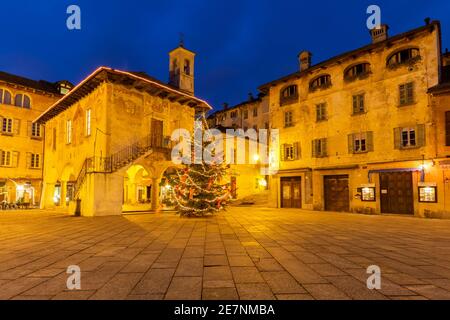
{"x":108,"y":141}
{"x":21,"y":141}
{"x":359,"y":132}
{"x":253,"y":113}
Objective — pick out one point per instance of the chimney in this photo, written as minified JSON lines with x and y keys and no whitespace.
{"x":304,"y":59}
{"x":250,"y":96}
{"x":427,"y":21}
{"x":379,"y":33}
{"x":225,"y":106}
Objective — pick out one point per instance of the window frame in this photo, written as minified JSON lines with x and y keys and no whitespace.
{"x":35,"y":161}
{"x":359,"y":100}
{"x":321,"y":109}
{"x":289,"y":94}
{"x":399,"y":61}
{"x":7,"y":126}
{"x":2,"y":97}
{"x":408,"y":91}
{"x":408,"y":131}
{"x":317,"y":83}
{"x":351,"y":74}
{"x":288,"y":119}
{"x":4,"y":155}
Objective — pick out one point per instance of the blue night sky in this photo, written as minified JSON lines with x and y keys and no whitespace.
{"x":239,"y":44}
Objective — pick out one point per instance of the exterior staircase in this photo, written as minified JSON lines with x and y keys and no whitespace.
{"x":122,"y":158}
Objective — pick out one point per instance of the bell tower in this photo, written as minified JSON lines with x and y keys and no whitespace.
{"x":181,"y":68}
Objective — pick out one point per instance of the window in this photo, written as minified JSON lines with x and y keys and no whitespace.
{"x":88,"y":122}
{"x":245,"y":114}
{"x":406,"y":93}
{"x":7,"y":126}
{"x":22,"y":100}
{"x":288,"y":119}
{"x":319,"y":148}
{"x":409,"y":137}
{"x":403,"y":57}
{"x":36,"y":130}
{"x":290,"y":152}
{"x":321,"y":112}
{"x":447,"y":128}
{"x":358,"y":104}
{"x":289,"y":95}
{"x":321,"y":82}
{"x":233,"y":114}
{"x":360,"y":142}
{"x":35,"y":161}
{"x":69,"y":131}
{"x":5,"y":159}
{"x":255,"y":112}
{"x":187,"y":67}
{"x":5,"y":96}
{"x":358,"y":71}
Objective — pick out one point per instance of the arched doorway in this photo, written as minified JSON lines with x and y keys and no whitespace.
{"x":137,"y":189}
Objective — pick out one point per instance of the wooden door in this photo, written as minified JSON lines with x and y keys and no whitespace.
{"x":157,"y":133}
{"x":396,"y":190}
{"x":291,"y":192}
{"x":336,"y":193}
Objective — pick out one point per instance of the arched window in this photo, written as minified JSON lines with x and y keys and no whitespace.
{"x":5,"y":96}
{"x":357,"y":71}
{"x":22,"y":100}
{"x":289,"y":94}
{"x":320,"y":82}
{"x":404,"y":56}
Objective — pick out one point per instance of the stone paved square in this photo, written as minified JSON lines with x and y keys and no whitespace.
{"x":243,"y":253}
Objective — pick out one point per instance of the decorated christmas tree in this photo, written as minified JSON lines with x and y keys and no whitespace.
{"x":198,"y":189}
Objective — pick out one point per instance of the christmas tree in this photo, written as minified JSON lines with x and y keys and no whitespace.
{"x":198,"y":189}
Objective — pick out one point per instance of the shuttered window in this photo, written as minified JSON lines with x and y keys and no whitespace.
{"x":34,"y":161}
{"x":358,"y":104}
{"x":360,"y":142}
{"x":319,"y":148}
{"x":288,"y":119}
{"x":447,"y":128}
{"x":409,"y":137}
{"x":5,"y":158}
{"x":406,"y":93}
{"x":321,"y":112}
{"x":290,"y":152}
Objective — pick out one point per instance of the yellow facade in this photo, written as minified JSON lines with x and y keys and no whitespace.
{"x":130,"y":119}
{"x":296,"y":104}
{"x":21,"y":144}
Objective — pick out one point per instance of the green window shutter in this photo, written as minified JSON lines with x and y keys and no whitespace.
{"x":369,"y":141}
{"x":29,"y":160}
{"x":296,"y":151}
{"x":324,"y":151}
{"x":397,"y":138}
{"x":282,"y":152}
{"x":16,"y":127}
{"x":350,"y":144}
{"x":410,"y":92}
{"x":15,"y":159}
{"x":29,"y":128}
{"x":313,"y":148}
{"x":402,"y":94}
{"x":420,"y":135}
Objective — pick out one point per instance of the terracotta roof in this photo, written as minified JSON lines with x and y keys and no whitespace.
{"x":41,"y":85}
{"x":348,"y":54}
{"x":139,"y":80}
{"x":259,"y":98}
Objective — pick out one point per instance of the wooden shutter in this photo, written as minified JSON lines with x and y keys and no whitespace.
{"x":314,"y":149}
{"x":369,"y":141}
{"x":29,"y":160}
{"x":397,"y":138}
{"x":420,"y":129}
{"x":29,"y":128}
{"x":355,"y":105}
{"x":15,"y":159}
{"x":282,"y":152}
{"x":296,"y":151}
{"x":1,"y":124}
{"x":402,"y":94}
{"x":447,"y":128}
{"x":351,"y":139}
{"x":410,"y":92}
{"x":16,"y":127}
{"x":324,"y":151}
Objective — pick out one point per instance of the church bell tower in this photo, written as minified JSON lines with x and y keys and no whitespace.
{"x":181,"y":69}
